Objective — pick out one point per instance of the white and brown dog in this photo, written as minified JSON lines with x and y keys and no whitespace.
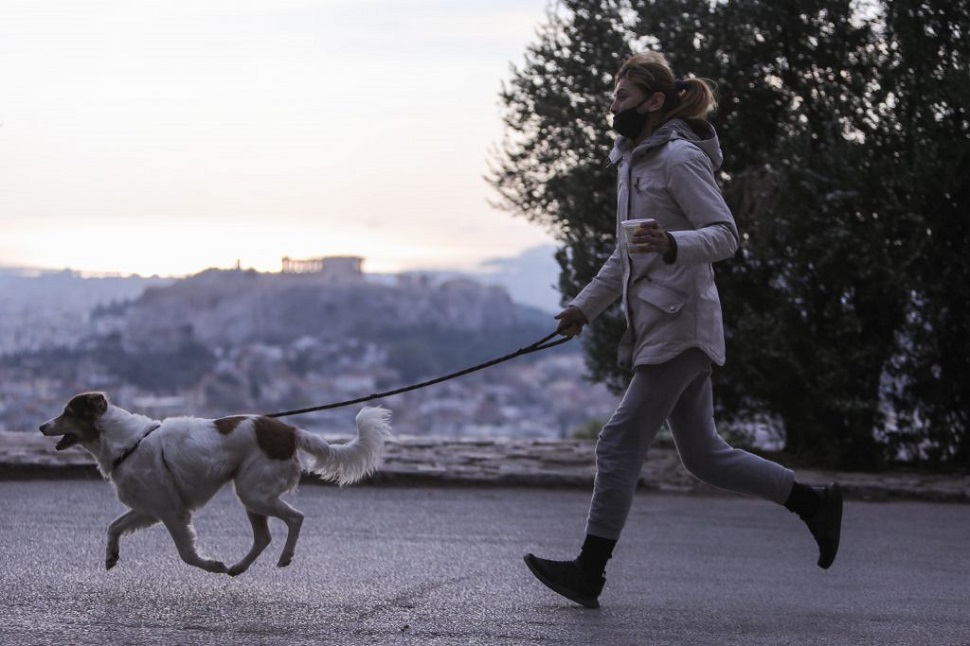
{"x":164,"y":470}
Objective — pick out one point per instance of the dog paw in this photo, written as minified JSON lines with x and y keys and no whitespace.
{"x":236,"y":570}
{"x":110,"y":562}
{"x":216,"y":567}
{"x":284,"y":561}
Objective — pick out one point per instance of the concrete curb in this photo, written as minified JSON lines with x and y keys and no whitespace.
{"x":508,"y":463}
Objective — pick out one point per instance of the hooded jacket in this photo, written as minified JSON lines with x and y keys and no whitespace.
{"x":670,"y":307}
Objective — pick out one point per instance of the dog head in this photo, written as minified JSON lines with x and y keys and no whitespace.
{"x":77,"y":422}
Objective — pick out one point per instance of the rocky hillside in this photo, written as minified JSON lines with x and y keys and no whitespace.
{"x":242,"y":341}
{"x":223,"y":309}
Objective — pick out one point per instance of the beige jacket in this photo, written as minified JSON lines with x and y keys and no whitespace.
{"x":669,"y":307}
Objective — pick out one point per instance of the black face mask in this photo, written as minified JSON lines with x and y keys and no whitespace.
{"x":629,"y":122}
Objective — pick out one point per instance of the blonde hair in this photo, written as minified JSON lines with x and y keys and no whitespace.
{"x":689,"y":98}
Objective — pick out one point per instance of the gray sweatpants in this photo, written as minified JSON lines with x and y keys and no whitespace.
{"x":678,"y":391}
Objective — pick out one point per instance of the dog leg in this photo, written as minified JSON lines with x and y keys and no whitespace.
{"x":127,"y":522}
{"x":184,"y":536}
{"x":261,"y":538}
{"x":293,"y":519}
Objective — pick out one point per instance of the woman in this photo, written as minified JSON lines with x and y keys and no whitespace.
{"x":665,"y":156}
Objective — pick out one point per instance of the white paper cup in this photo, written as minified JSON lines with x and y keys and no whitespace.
{"x":629,"y":226}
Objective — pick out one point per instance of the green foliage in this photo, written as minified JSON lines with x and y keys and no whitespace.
{"x":812,"y":300}
{"x":589,"y":430}
{"x":927,"y":70}
{"x":157,"y":371}
{"x":847,"y":149}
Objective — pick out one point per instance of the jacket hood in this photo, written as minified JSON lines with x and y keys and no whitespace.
{"x":696,"y":131}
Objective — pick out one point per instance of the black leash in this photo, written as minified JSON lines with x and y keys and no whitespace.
{"x":542,"y":344}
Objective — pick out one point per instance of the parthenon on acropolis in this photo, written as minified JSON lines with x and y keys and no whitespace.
{"x":336,"y":267}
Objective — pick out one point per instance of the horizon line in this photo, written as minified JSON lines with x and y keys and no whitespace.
{"x":31,"y":271}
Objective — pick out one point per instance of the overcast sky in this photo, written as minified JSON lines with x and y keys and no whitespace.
{"x":165,"y":137}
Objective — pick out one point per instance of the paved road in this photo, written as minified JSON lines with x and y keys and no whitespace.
{"x":443,"y":566}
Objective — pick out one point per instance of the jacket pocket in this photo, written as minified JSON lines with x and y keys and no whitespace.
{"x":666,"y":299}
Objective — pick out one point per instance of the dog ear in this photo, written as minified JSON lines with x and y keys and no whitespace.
{"x":89,"y":405}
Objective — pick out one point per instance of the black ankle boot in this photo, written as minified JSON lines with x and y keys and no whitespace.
{"x":826,"y":523}
{"x":568,"y":579}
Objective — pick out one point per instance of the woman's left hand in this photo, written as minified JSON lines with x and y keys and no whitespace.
{"x":651,"y":238}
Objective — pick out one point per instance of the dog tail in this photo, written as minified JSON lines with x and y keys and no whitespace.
{"x":347,"y":463}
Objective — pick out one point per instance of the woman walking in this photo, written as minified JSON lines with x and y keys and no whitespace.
{"x":665,"y":155}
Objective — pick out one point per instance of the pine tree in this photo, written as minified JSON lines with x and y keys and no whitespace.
{"x":926,"y":131}
{"x":847,"y":166}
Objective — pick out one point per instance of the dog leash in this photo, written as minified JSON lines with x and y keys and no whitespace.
{"x":542,"y":344}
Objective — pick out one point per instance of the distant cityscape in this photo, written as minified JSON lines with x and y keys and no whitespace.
{"x":54,"y":328}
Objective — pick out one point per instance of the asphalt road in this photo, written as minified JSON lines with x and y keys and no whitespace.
{"x":443,"y":566}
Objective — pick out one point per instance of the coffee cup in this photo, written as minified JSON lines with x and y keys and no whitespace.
{"x":629,"y":227}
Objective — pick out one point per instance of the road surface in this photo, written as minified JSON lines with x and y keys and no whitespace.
{"x":379,"y":565}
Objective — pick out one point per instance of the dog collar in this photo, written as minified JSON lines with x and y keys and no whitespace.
{"x":124,"y":456}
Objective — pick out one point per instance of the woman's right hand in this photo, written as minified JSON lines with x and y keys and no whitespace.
{"x":571,"y":321}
